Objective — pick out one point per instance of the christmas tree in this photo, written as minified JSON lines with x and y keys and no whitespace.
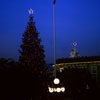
{"x":32,"y":57}
{"x":32,"y":52}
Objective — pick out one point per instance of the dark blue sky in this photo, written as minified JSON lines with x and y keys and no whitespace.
{"x":76,"y":20}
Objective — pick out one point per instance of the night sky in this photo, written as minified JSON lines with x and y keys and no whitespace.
{"x":76,"y":20}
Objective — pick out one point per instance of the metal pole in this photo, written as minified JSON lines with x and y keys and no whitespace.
{"x":54,"y":39}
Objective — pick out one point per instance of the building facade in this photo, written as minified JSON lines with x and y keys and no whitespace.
{"x":91,"y":64}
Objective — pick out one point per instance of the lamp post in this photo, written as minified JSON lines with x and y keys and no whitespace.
{"x":56,"y":80}
{"x":54,"y":1}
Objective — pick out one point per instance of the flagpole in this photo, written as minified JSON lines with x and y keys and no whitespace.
{"x":54,"y":38}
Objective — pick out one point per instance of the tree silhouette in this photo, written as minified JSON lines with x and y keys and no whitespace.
{"x":32,"y":52}
{"x":32,"y":56}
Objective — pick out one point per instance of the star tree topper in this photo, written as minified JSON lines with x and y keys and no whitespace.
{"x":75,"y":44}
{"x":31,"y":11}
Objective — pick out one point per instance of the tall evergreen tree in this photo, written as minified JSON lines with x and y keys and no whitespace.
{"x":32,"y":52}
{"x":32,"y":56}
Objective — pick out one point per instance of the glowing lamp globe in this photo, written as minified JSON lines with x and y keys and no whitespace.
{"x":63,"y":89}
{"x":56,"y":81}
{"x":58,"y":90}
{"x":50,"y":90}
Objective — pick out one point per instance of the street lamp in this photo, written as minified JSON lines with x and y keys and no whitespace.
{"x":56,"y":88}
{"x":56,"y":80}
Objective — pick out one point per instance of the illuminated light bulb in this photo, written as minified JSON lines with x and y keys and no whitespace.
{"x":58,"y":90}
{"x":50,"y":90}
{"x":54,"y":89}
{"x":56,"y":81}
{"x":63,"y":89}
